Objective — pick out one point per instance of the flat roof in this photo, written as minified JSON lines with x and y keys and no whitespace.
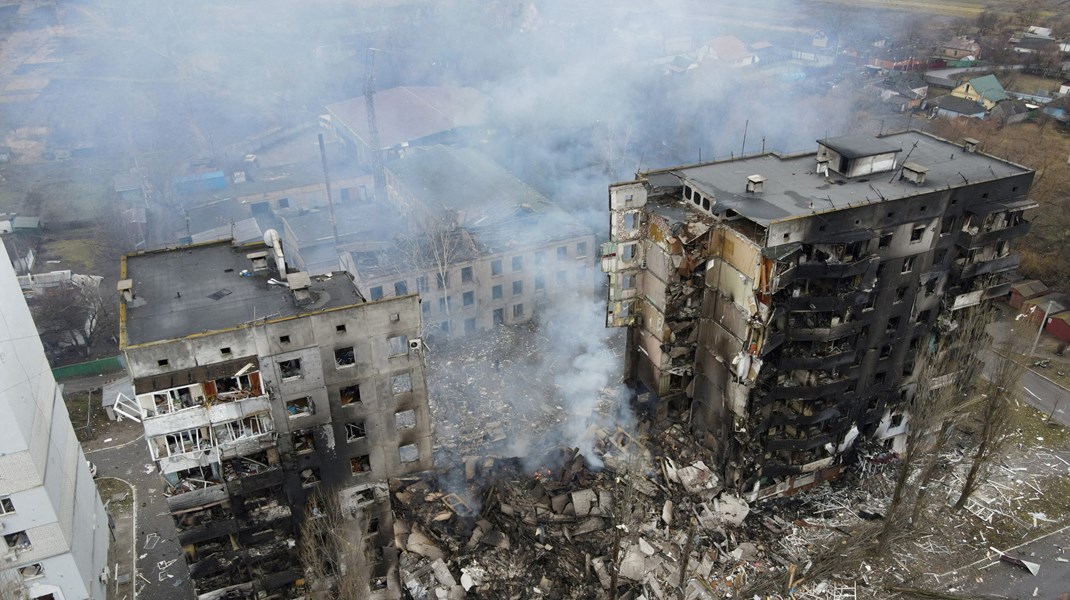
{"x":195,"y":289}
{"x":793,"y":189}
{"x":409,"y":113}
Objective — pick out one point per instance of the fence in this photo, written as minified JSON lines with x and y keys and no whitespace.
{"x":88,"y":369}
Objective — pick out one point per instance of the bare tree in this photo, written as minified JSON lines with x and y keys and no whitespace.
{"x":332,"y":550}
{"x":11,"y":587}
{"x":993,"y":411}
{"x":945,"y":377}
{"x":437,"y":248}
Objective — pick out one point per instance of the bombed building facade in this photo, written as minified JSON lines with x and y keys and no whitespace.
{"x":258,"y":388}
{"x":485,"y":248}
{"x":783,"y":300}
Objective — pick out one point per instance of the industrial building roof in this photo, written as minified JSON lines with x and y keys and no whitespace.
{"x":194,"y":289}
{"x":405,"y":114}
{"x":857,"y":146}
{"x":792,"y":188}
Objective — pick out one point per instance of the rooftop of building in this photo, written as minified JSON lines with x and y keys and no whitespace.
{"x":792,"y":188}
{"x":405,"y":114}
{"x":194,"y":289}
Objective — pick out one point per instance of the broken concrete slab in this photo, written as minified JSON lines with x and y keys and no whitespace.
{"x":731,"y":510}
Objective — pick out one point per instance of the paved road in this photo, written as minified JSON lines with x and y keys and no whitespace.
{"x":162,"y":572}
{"x":1010,"y":581}
{"x":1046,"y":397}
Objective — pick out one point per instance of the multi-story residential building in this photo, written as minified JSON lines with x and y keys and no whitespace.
{"x":54,"y":526}
{"x":258,"y":386}
{"x":784,"y":299}
{"x":486,"y":248}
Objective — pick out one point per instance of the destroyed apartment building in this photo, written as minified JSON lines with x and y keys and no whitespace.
{"x":784,"y":299}
{"x":485,"y":249}
{"x":260,"y":389}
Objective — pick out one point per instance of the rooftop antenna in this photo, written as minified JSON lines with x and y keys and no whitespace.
{"x":896,"y":171}
{"x":964,"y":178}
{"x":639,"y":167}
{"x":879,"y":194}
{"x":743,"y":150}
{"x":378,"y":170}
{"x":330,"y":199}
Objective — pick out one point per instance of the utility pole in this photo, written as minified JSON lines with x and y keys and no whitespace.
{"x":1040,"y":329}
{"x":330,"y":199}
{"x":378,"y":170}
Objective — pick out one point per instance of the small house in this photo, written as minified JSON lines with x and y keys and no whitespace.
{"x":987,"y":90}
{"x":1059,"y":326}
{"x":26,"y":224}
{"x":1026,"y":290}
{"x":1052,"y":304}
{"x":953,"y":107}
{"x":960,"y":48}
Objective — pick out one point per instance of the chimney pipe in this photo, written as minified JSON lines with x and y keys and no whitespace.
{"x":271,"y":238}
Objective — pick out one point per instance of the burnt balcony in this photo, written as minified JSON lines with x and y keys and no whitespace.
{"x":808,"y":361}
{"x":834,"y":269}
{"x":784,"y":279}
{"x":772,"y":341}
{"x":254,"y":482}
{"x":822,"y":332}
{"x":979,"y":239}
{"x":207,"y":531}
{"x":834,"y":302}
{"x":984,"y":267}
{"x":812,"y":392}
{"x":192,"y":499}
{"x":795,"y":444}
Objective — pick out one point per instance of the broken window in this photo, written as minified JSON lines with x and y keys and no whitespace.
{"x":886,"y":240}
{"x":304,"y":441}
{"x":886,"y":351}
{"x":897,"y":420}
{"x":917,"y":233}
{"x":893,"y":325}
{"x":496,"y":292}
{"x":225,"y":351}
{"x":939,"y":256}
{"x":405,"y":419}
{"x":31,"y":571}
{"x":499,"y":316}
{"x":290,"y":369}
{"x":495,"y":267}
{"x":355,"y":431}
{"x":401,"y":383}
{"x":345,"y":357}
{"x":518,"y":263}
{"x":908,"y":264}
{"x":284,"y":339}
{"x":900,"y":293}
{"x":468,"y":298}
{"x":373,"y":526}
{"x":947,"y":225}
{"x":466,"y":274}
{"x":627,"y":252}
{"x":180,"y":442}
{"x":518,"y":288}
{"x":349,"y":394}
{"x":299,"y":407}
{"x":399,"y":345}
{"x":377,"y":292}
{"x":360,"y":464}
{"x":409,"y":453}
{"x":6,"y":505}
{"x":518,"y":311}
{"x":581,"y":249}
{"x":340,"y":328}
{"x":310,"y":477}
{"x":18,"y":541}
{"x":469,"y":326}
{"x":923,"y":316}
{"x":162,"y":362}
{"x":250,"y":426}
{"x":401,"y":288}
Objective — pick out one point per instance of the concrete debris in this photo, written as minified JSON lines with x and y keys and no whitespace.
{"x":695,"y":478}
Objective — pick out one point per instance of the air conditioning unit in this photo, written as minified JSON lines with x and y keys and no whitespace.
{"x":416,"y":344}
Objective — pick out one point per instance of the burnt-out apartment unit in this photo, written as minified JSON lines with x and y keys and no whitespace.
{"x":484,"y":249}
{"x":258,"y":387}
{"x":783,"y":299}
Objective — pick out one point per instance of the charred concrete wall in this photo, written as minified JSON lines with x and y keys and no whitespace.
{"x":808,"y":327}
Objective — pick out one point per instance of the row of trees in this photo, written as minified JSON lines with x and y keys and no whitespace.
{"x":963,"y":378}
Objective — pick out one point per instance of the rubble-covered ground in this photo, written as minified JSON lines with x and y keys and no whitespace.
{"x":514,"y":512}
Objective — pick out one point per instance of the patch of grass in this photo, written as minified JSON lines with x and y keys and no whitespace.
{"x":77,"y":255}
{"x":109,"y":487}
{"x":78,"y":406}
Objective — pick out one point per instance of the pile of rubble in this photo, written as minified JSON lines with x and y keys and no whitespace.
{"x":647,"y":523}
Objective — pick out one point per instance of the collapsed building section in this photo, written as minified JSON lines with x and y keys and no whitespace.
{"x":260,"y":388}
{"x":783,"y":300}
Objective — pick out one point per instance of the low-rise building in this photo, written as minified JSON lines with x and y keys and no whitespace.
{"x":488,"y":249}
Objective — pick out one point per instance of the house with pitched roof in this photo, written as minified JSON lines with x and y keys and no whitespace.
{"x":986,"y":90}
